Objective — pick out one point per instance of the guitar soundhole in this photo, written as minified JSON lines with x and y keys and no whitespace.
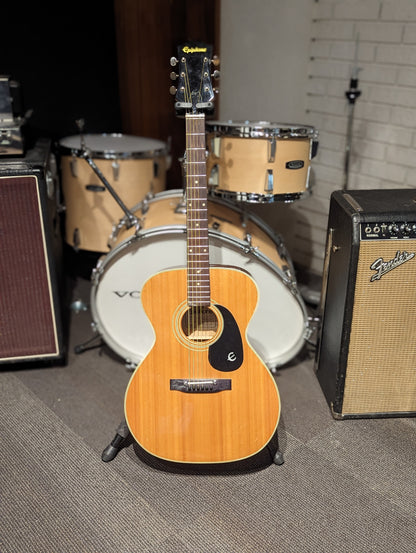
{"x":199,"y":324}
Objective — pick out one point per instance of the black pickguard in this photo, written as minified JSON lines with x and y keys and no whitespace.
{"x":226,"y":354}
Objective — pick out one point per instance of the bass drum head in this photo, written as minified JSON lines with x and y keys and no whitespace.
{"x":276,"y":331}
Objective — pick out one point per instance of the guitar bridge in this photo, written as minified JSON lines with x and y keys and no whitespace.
{"x":200,"y":386}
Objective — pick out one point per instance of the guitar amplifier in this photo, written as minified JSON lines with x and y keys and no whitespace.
{"x":366,"y":354}
{"x":31,"y":287}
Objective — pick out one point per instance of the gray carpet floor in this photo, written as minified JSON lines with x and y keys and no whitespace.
{"x":345,"y":486}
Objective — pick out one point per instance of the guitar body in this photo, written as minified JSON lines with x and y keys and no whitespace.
{"x":201,"y":395}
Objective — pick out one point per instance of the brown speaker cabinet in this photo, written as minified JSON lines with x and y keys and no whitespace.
{"x":366,"y":353}
{"x":31,"y":290}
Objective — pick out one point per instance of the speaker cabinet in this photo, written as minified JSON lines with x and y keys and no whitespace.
{"x":31,"y":327}
{"x":366,"y":355}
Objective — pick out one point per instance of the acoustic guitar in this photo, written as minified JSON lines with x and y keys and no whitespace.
{"x":201,"y":394}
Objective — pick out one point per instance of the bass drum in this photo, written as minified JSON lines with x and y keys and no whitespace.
{"x":279,"y":325}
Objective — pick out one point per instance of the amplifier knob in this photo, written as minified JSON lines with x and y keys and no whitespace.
{"x":405,"y":228}
{"x":393,"y":228}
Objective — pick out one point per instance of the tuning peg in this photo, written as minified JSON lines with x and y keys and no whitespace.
{"x":215,"y":61}
{"x":173,"y":76}
{"x":173,"y":90}
{"x":216,"y":90}
{"x":216,"y":74}
{"x":173,"y":61}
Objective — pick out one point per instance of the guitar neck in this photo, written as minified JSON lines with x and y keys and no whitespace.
{"x":198,"y":277}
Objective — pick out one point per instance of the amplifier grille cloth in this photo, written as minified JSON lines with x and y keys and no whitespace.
{"x":381,"y":368}
{"x":27,"y":323}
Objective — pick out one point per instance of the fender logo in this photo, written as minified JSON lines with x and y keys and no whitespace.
{"x":193,"y":50}
{"x":382,"y":267}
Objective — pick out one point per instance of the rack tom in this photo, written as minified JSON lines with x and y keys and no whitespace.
{"x":259,"y":162}
{"x":134,"y":166}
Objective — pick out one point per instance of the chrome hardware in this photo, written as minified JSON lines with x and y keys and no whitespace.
{"x":116,"y":170}
{"x":250,"y":248}
{"x":76,"y":238}
{"x":181,"y":206}
{"x":269,"y":181}
{"x":73,"y":165}
{"x":272,"y":150}
{"x":78,"y":305}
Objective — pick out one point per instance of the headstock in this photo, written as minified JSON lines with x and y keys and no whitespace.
{"x":194,"y":92}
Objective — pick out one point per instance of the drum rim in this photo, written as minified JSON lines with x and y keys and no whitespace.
{"x":181,"y":229}
{"x":111,"y":154}
{"x":251,"y":197}
{"x":261,"y":129}
{"x":275,"y":236}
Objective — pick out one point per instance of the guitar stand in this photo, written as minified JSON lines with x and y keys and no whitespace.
{"x":277,"y":456}
{"x":116,"y":444}
{"x":123,"y":433}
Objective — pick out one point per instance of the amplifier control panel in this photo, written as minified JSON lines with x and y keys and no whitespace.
{"x":385,"y":230}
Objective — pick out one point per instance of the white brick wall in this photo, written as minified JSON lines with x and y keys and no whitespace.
{"x":384,"y":130}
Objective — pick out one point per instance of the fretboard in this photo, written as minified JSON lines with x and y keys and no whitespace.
{"x":197,"y":213}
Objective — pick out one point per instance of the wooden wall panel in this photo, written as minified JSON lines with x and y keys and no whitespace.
{"x":148,"y":34}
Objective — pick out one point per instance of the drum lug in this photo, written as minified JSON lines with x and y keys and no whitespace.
{"x":181,"y":206}
{"x":269,"y":181}
{"x":151,"y":194}
{"x":74,"y":167}
{"x":116,"y":170}
{"x":76,"y":239}
{"x":97,"y":271}
{"x":312,"y":331}
{"x":272,"y":150}
{"x":145,"y":205}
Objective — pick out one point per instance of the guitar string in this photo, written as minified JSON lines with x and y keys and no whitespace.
{"x":201,"y":200}
{"x":188,"y":226}
{"x":191,"y":321}
{"x":196,"y":321}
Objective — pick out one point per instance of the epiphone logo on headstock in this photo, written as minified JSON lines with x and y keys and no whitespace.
{"x":382,"y":267}
{"x":193,"y":49}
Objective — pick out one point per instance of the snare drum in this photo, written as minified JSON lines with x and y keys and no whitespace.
{"x":259,"y":161}
{"x":134,"y":167}
{"x":279,"y":326}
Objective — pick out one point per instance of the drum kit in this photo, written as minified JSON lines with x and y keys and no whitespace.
{"x":117,"y":205}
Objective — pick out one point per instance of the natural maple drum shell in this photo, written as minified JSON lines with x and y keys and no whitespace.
{"x":194,"y":427}
{"x":140,"y":168}
{"x":222,"y":217}
{"x":243,"y":165}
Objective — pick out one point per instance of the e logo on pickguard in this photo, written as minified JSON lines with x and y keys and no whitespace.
{"x":226,"y":353}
